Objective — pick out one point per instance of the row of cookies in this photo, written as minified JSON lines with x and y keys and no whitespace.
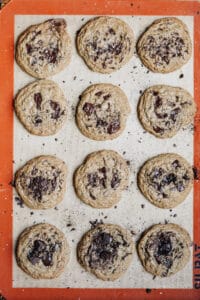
{"x":103,"y":109}
{"x":105,"y":251}
{"x":105,"y":43}
{"x":165,"y":180}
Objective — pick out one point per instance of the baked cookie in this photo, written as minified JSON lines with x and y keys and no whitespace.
{"x":164,"y":249}
{"x":100,"y":180}
{"x":41,"y":182}
{"x":166,"y":180}
{"x":102,"y":112}
{"x":164,"y":109}
{"x":105,"y":44}
{"x":42,"y":251}
{"x":41,"y":107}
{"x":165,"y":46}
{"x":44,"y":49}
{"x":106,"y":251}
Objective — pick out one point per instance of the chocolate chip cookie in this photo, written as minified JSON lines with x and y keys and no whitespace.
{"x":41,"y":182}
{"x":102,"y":112}
{"x":105,"y":44}
{"x":41,"y":107}
{"x":44,"y":49}
{"x":165,"y":46}
{"x":100,"y":180}
{"x":164,"y":109}
{"x":42,"y":251}
{"x":164,"y":249}
{"x":106,"y":251}
{"x":166,"y":180}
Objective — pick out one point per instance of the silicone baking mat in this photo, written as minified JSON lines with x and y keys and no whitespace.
{"x":17,"y":146}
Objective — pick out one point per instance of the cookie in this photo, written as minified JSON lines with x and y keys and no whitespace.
{"x":166,"y":180}
{"x":102,"y":112}
{"x":41,"y":182}
{"x":164,"y":249}
{"x":100,"y":180}
{"x":41,"y":107}
{"x":164,"y":109}
{"x":105,"y":44}
{"x":106,"y":251}
{"x":165,"y":46}
{"x":42,"y":251}
{"x":44,"y":49}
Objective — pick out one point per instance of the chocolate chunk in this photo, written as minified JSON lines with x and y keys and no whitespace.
{"x":98,"y":94}
{"x":38,"y":100}
{"x":88,"y":108}
{"x":29,"y":49}
{"x":158,"y":102}
{"x":196,"y":173}
{"x":164,"y":245}
{"x":47,"y":259}
{"x":169,"y":178}
{"x":106,"y":96}
{"x":113,"y":127}
{"x":57,"y":110}
{"x":39,"y":186}
{"x":158,"y":129}
{"x":111,"y":31}
{"x":115,"y":180}
{"x":42,"y":251}
{"x":101,"y":123}
{"x":176,"y":164}
{"x":93,"y":179}
{"x":180,"y":187}
{"x":51,"y":54}
{"x":174,"y":113}
{"x":37,"y":120}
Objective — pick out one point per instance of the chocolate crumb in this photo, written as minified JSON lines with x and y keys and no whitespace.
{"x":19,"y":201}
{"x":181,"y":76}
{"x":95,"y":223}
{"x":148,"y":291}
{"x":73,"y":229}
{"x":2,"y":297}
{"x":142,"y":205}
{"x":196,"y":173}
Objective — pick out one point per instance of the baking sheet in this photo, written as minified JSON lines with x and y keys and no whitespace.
{"x":134,"y":144}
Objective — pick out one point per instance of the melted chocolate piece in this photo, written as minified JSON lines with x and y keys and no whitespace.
{"x":39,"y":186}
{"x":101,"y":123}
{"x":113,"y":127}
{"x":103,"y":250}
{"x":94,"y":180}
{"x":163,"y":251}
{"x":57,"y":110}
{"x":88,"y":108}
{"x":38,"y":100}
{"x":51,"y":54}
{"x":42,"y":251}
{"x":115,"y":181}
{"x":29,"y":49}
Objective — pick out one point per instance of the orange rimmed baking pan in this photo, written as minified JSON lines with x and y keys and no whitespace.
{"x":82,"y":7}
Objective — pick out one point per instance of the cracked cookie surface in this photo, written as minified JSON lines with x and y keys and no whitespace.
{"x":105,"y":44}
{"x":42,"y":251}
{"x":44,"y":49}
{"x":100,"y":180}
{"x":166,"y":180}
{"x":165,"y":46}
{"x":163,"y":110}
{"x":164,"y":249}
{"x":102,"y":112}
{"x":41,"y":182}
{"x":41,"y":107}
{"x":106,"y":251}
